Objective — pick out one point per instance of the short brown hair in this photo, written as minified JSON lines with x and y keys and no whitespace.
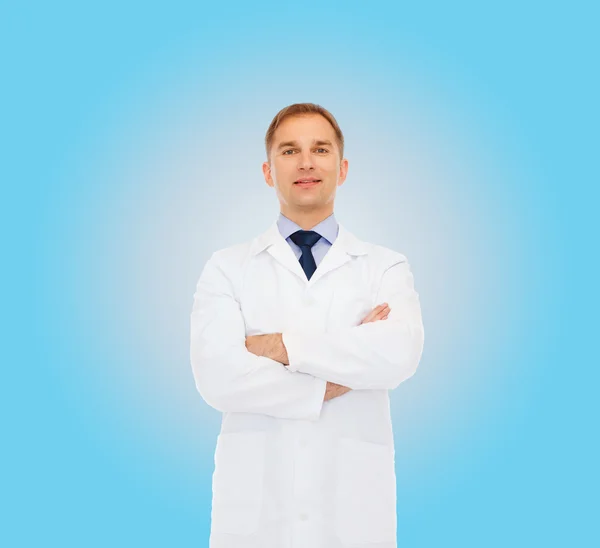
{"x":300,"y":109}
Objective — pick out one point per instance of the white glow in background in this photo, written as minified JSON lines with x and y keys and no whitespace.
{"x":180,"y":180}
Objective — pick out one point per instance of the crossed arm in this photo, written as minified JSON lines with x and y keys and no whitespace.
{"x":235,"y":373}
{"x":272,"y":346}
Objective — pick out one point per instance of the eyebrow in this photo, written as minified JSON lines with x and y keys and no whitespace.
{"x":316,"y":142}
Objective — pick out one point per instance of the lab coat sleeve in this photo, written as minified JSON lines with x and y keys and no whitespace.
{"x":374,"y":355}
{"x":228,"y":376}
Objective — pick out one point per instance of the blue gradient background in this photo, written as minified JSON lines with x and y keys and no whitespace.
{"x":132,"y":140}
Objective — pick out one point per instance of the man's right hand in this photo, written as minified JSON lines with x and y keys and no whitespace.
{"x":380,"y":312}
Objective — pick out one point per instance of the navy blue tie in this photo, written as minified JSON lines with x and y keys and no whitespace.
{"x":305,"y":239}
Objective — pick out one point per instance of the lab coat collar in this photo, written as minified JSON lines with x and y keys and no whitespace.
{"x":343,"y":248}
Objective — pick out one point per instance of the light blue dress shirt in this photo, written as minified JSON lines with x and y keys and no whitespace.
{"x":327,"y":228}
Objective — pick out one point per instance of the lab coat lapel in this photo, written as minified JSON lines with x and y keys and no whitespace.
{"x":279,"y":249}
{"x":283,"y":254}
{"x":344,"y":247}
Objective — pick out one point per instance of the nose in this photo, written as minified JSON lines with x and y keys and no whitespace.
{"x":305,"y":160}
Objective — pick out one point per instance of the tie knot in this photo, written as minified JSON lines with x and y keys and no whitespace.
{"x":305,"y":238}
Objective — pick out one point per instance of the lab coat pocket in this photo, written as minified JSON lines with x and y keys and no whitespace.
{"x":238,"y":482}
{"x":365,"y":500}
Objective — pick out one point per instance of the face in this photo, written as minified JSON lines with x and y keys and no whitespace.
{"x":304,"y":148}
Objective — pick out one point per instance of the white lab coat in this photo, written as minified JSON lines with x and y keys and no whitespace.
{"x":292,"y":471}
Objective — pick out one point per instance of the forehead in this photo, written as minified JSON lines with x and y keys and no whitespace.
{"x":305,"y":127}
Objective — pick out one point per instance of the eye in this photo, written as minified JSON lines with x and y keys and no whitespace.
{"x":285,"y":152}
{"x":323,"y":149}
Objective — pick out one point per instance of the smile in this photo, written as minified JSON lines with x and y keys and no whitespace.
{"x":307,"y":184}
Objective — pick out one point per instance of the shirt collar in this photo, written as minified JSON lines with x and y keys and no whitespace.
{"x":327,"y":228}
{"x":345,"y":242}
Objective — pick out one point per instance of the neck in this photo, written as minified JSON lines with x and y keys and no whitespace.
{"x":307,"y":219}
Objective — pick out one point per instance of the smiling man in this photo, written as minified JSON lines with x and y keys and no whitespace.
{"x":297,"y":337}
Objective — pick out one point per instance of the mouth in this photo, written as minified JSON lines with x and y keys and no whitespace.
{"x":307,"y":183}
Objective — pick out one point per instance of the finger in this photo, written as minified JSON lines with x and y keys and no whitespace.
{"x":385,"y":310}
{"x":374,"y":313}
{"x":375,"y":317}
{"x":383,"y":314}
{"x":371,"y":315}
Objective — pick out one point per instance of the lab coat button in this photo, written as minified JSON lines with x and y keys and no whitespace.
{"x":303,"y":516}
{"x":303,"y":443}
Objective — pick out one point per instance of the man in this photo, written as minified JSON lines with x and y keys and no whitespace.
{"x":296,"y":337}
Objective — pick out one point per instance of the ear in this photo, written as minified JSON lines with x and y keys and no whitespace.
{"x":343,"y":172}
{"x":266,"y":168}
